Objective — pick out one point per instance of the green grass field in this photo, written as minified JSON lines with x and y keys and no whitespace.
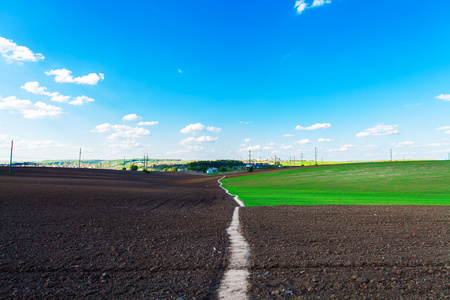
{"x":385,"y":183}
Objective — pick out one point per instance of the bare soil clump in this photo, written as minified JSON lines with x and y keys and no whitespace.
{"x":348,"y":252}
{"x":69,"y":233}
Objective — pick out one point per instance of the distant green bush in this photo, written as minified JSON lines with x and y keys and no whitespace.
{"x":250,"y":169}
{"x":133,"y":167}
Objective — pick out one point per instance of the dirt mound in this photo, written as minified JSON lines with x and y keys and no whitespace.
{"x":68,"y":233}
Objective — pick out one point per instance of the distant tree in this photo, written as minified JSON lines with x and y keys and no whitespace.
{"x":133,"y":167}
{"x":223,"y":169}
{"x":250,"y":169}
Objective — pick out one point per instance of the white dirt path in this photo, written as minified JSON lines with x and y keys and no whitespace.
{"x":235,"y":281}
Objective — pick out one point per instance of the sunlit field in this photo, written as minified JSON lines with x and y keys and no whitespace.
{"x":383,"y":183}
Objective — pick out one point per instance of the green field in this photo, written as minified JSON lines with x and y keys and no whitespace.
{"x":384,"y":183}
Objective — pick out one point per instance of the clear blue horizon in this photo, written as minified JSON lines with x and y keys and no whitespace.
{"x":203,"y":80}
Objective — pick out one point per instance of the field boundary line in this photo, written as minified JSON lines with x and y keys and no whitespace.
{"x":235,"y":197}
{"x":235,"y":280}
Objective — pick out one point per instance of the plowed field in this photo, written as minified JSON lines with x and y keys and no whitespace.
{"x":68,"y":233}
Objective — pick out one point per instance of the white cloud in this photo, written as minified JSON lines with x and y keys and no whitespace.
{"x":33,"y":87}
{"x":29,"y":109}
{"x":325,"y":140}
{"x":444,"y":97}
{"x":179,"y":71}
{"x":314,"y":127}
{"x":213,"y":129}
{"x":267,"y":148}
{"x":147,"y":123}
{"x":434,"y":145}
{"x":320,"y":2}
{"x":80,"y":100}
{"x":251,"y":148}
{"x":131,"y":117}
{"x":12,"y":52}
{"x":64,"y":75}
{"x":302,"y":142}
{"x":343,"y":148}
{"x":246,"y":122}
{"x":380,"y":129}
{"x":199,"y":140}
{"x":288,"y":135}
{"x":121,"y":131}
{"x":447,"y":128}
{"x":300,"y":6}
{"x":402,"y":144}
{"x":247,"y":140}
{"x":286,"y":147}
{"x":193,"y":128}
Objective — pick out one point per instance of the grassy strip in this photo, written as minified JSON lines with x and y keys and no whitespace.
{"x":385,"y":183}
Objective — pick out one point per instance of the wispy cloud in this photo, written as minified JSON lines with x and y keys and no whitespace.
{"x":197,"y":127}
{"x":380,"y":129}
{"x":301,"y":5}
{"x":12,"y":52}
{"x":179,"y":71}
{"x":246,"y":122}
{"x":28,"y":109}
{"x":121,"y":131}
{"x":131,"y":117}
{"x":343,"y":148}
{"x":251,"y":148}
{"x":324,"y":140}
{"x":33,"y":87}
{"x":80,"y":100}
{"x":446,"y":128}
{"x":247,"y":140}
{"x":64,"y":75}
{"x":151,"y":123}
{"x":443,"y":97}
{"x":314,"y":127}
{"x":302,"y":142}
{"x":403,"y":144}
{"x":199,"y":140}
{"x":288,"y":135}
{"x":286,"y":147}
{"x":213,"y":129}
{"x":320,"y":2}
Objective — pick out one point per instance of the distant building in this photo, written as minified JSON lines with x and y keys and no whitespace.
{"x":211,"y":170}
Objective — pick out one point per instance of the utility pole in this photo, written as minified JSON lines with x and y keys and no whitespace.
{"x":315,"y":154}
{"x":10,"y":158}
{"x":124,"y":161}
{"x":391,"y":155}
{"x":250,"y":156}
{"x":290,"y":158}
{"x":302,"y":158}
{"x":79,"y":160}
{"x":294,"y":160}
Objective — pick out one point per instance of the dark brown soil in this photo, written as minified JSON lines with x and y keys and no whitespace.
{"x":67,"y":233}
{"x":348,"y":252}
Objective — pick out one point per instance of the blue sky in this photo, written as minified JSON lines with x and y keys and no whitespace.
{"x":210,"y":80}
